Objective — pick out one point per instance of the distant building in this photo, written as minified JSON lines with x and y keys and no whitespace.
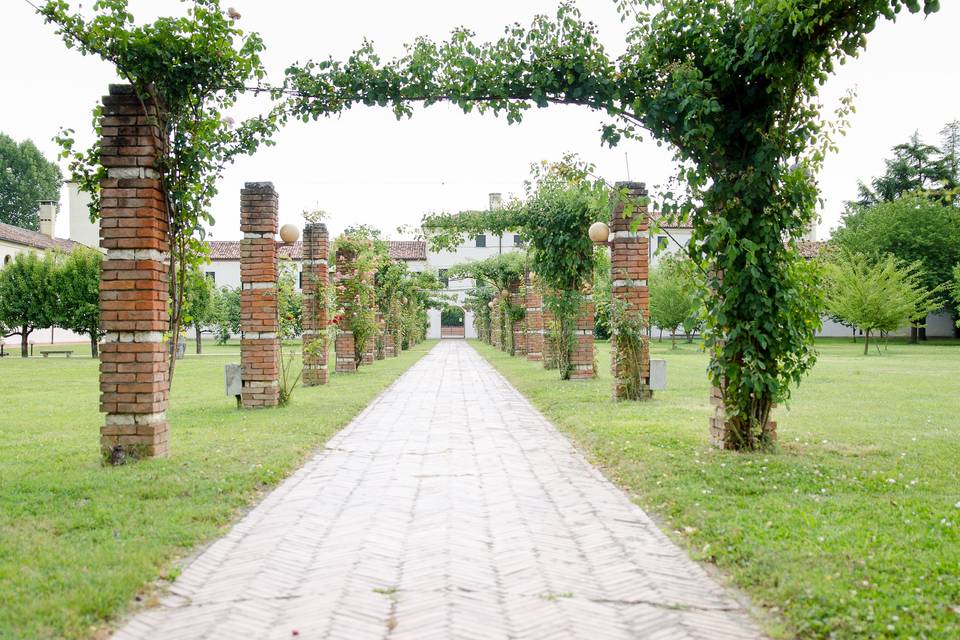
{"x":224,"y":267}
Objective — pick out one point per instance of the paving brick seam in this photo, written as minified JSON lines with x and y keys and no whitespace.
{"x":448,"y":508}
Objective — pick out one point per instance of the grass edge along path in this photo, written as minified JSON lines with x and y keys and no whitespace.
{"x":850,"y":529}
{"x":79,"y":541}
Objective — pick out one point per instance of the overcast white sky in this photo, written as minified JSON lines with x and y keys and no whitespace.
{"x":368,"y":167}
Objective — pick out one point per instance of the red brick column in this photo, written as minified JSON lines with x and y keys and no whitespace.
{"x":629,"y":259}
{"x":316,"y":244}
{"x":581,"y":360}
{"x":534,"y":334}
{"x":720,"y":434}
{"x":390,"y":346}
{"x":381,"y":337}
{"x":345,"y":345}
{"x":518,"y":298}
{"x":260,"y":346}
{"x":496,"y":318}
{"x":548,"y":355}
{"x":134,"y":374}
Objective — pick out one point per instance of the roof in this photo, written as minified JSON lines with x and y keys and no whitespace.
{"x":28,"y":238}
{"x":399,"y":250}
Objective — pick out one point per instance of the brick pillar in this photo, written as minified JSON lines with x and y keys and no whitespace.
{"x":316,"y":244}
{"x":581,"y":360}
{"x":495,"y":323}
{"x":134,"y":373}
{"x":549,"y":358}
{"x":629,"y":260}
{"x":260,"y":346}
{"x":345,"y":345}
{"x":518,"y":299}
{"x":534,"y":318}
{"x":381,"y":337}
{"x":390,"y":346}
{"x":720,"y":434}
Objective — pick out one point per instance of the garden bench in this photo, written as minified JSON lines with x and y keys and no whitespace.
{"x":66,"y":352}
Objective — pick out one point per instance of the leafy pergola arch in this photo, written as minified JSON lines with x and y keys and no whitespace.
{"x":730,"y":84}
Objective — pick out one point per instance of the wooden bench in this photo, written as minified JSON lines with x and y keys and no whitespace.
{"x":65,"y":352}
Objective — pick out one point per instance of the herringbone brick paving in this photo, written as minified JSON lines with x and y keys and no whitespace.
{"x":449,"y":508}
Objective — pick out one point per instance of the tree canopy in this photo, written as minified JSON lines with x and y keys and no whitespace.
{"x":28,"y":298}
{"x":876,"y":296}
{"x":917,"y":167}
{"x":77,"y":282}
{"x":913,"y":229}
{"x":26,"y":178}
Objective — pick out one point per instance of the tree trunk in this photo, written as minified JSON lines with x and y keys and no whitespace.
{"x":199,"y":340}
{"x":923,"y":333}
{"x":914,"y":334}
{"x":673,"y":339}
{"x":94,"y":346}
{"x":854,"y":335}
{"x":24,"y":344}
{"x":661,"y":334}
{"x":866,"y":342}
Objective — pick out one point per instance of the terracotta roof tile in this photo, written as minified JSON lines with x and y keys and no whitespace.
{"x":399,"y":250}
{"x":28,"y":238}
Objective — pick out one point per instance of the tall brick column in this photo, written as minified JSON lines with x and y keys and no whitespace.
{"x":581,"y":360}
{"x":548,"y":355}
{"x":134,"y":374}
{"x":720,"y":433}
{"x":316,"y":244}
{"x":260,"y":346}
{"x":496,"y":319}
{"x":381,"y":337}
{"x":534,"y":333}
{"x":518,"y":298}
{"x":345,"y":346}
{"x":629,"y":259}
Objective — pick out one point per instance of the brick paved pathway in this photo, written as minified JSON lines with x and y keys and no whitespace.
{"x":449,"y":508}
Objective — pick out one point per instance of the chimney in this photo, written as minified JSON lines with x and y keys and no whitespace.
{"x":495,"y":201}
{"x":48,"y":217}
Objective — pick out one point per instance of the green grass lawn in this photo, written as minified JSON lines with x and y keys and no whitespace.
{"x":78,"y":541}
{"x":850,"y":529}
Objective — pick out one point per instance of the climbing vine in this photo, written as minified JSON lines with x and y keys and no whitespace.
{"x":730,"y":86}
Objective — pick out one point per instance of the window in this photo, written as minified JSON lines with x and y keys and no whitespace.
{"x":301,"y":280}
{"x":481,"y":240}
{"x":662,"y":242}
{"x":517,"y":241}
{"x":212,"y":276}
{"x":6,"y":260}
{"x":442,"y":277}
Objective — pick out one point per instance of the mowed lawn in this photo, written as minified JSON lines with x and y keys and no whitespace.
{"x":851,"y":529}
{"x":79,"y":541}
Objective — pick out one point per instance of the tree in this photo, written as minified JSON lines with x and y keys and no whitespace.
{"x":731,"y":86}
{"x":194,"y":67}
{"x":955,"y":289}
{"x":289,"y":302}
{"x":226,"y":313}
{"x":912,"y":228}
{"x":78,"y":294}
{"x":28,"y":299}
{"x":198,"y":303}
{"x":880,"y":296}
{"x":915,"y":166}
{"x":673,"y":299}
{"x":26,"y":178}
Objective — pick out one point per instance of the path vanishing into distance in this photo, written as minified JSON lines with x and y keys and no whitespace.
{"x":449,"y":508}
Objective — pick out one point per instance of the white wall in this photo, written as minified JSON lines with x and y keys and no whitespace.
{"x":466,"y":252}
{"x":81,"y":229}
